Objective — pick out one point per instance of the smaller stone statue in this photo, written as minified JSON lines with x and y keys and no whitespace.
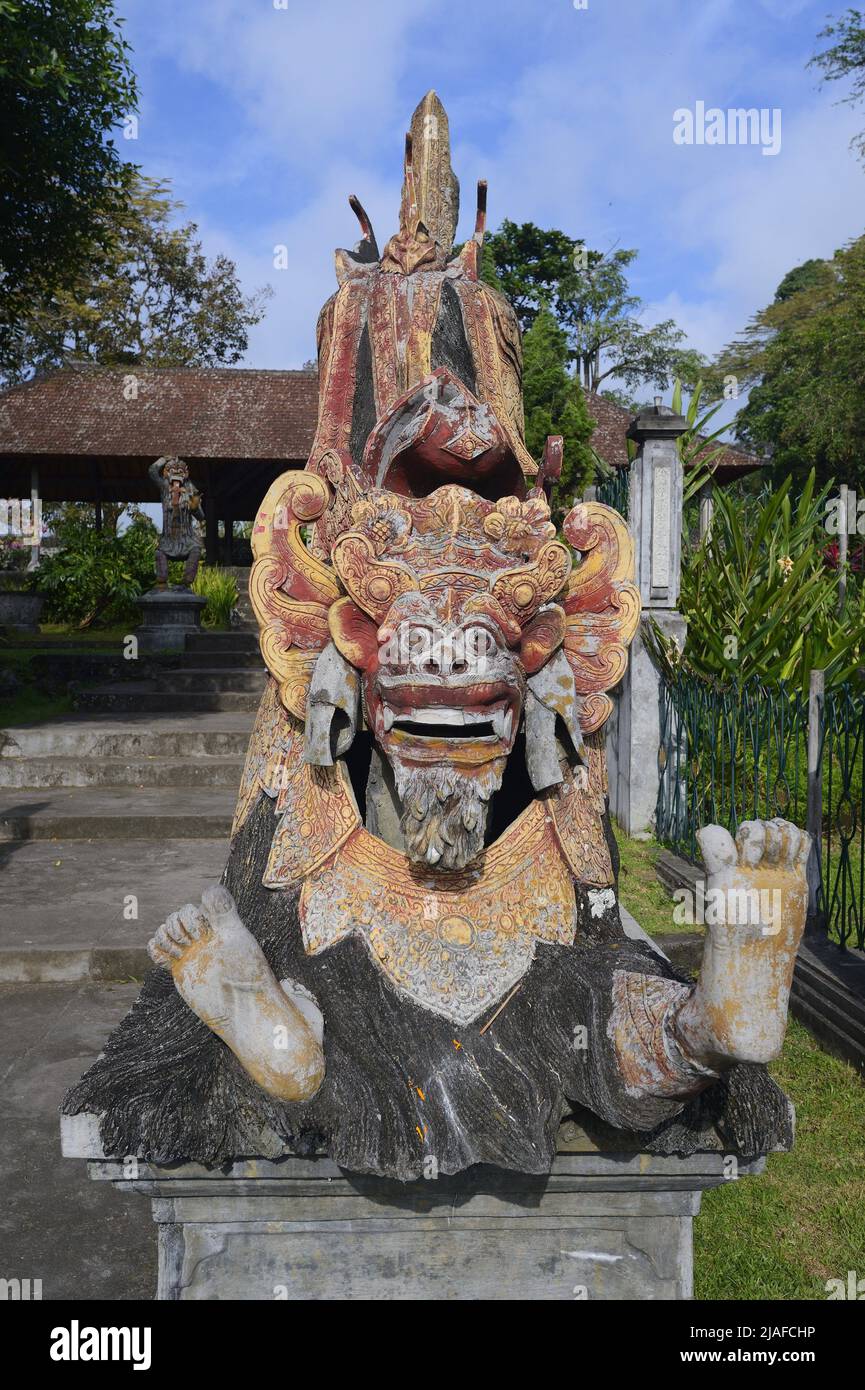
{"x":181,"y":533}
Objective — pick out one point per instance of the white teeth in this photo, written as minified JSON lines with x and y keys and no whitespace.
{"x":439,"y":715}
{"x":501,"y":719}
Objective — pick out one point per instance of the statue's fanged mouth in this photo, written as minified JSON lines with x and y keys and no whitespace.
{"x":469,"y":725}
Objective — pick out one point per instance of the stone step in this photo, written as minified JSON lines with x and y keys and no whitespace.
{"x":136,"y":737}
{"x":810,"y":1010}
{"x":673,"y":872}
{"x":222,"y":661}
{"x":831,"y":1008}
{"x":107,"y":813}
{"x":237,"y":640}
{"x":832,"y":991}
{"x":145,"y":699}
{"x":211,"y":680}
{"x":54,"y":771}
{"x":106,"y":900}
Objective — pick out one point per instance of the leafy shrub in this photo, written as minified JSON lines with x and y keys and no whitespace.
{"x":14,"y":556}
{"x":761,"y":578}
{"x":220,"y":589}
{"x":97,"y":575}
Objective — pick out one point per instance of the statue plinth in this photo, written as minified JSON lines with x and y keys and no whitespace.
{"x":600,"y":1226}
{"x":167,"y":616}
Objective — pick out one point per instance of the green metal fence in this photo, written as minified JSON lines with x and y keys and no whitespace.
{"x":842,"y":843}
{"x":741,"y":752}
{"x":614,"y":492}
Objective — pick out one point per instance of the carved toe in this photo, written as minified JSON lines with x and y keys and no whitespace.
{"x":750,"y":842}
{"x":218,"y":904}
{"x":717,"y":847}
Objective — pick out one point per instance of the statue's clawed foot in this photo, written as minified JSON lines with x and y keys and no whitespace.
{"x":220,"y":970}
{"x":755,"y":906}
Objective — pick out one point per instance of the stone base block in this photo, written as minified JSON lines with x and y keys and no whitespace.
{"x":20,"y":610}
{"x":601,"y":1226}
{"x":167,"y":616}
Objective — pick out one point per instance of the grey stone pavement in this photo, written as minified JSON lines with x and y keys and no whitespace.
{"x":82,"y":1239}
{"x":93,"y":927}
{"x":96,"y":809}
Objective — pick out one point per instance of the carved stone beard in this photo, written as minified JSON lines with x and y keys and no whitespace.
{"x":445,"y":812}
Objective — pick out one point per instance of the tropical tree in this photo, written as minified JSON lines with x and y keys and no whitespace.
{"x":554,"y":404}
{"x":532,"y":267}
{"x":845,"y":58}
{"x":97,"y":575}
{"x":761,"y":599}
{"x":148,"y":297}
{"x":698,"y":450}
{"x":803,"y":357}
{"x":608,"y":339}
{"x":589,"y":295}
{"x":65,"y":86}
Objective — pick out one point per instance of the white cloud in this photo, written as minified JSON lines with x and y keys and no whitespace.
{"x":754,"y":219}
{"x":286,"y":337}
{"x":309,"y":80}
{"x":569,"y":115}
{"x":717,"y":227}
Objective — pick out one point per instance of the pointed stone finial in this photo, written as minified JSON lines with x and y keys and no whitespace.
{"x":431,"y":192}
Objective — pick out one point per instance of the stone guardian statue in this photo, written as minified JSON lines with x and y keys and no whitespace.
{"x":181,"y":532}
{"x":416,"y":952}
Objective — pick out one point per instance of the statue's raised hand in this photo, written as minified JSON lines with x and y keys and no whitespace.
{"x":275,"y":1030}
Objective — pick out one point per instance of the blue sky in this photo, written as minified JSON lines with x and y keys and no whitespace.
{"x":265,"y":118}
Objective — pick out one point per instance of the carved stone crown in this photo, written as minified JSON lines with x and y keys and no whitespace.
{"x":463,"y":553}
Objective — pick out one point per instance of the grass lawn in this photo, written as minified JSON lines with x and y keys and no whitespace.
{"x":54,"y":637}
{"x":29,"y":704}
{"x":31,"y":707}
{"x":782,"y":1235}
{"x":639,"y":888}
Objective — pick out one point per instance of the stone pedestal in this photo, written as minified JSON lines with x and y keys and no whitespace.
{"x":167,"y":616}
{"x":601,"y":1226}
{"x":20,"y":609}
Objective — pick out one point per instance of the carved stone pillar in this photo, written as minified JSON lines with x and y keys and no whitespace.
{"x":655,"y":519}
